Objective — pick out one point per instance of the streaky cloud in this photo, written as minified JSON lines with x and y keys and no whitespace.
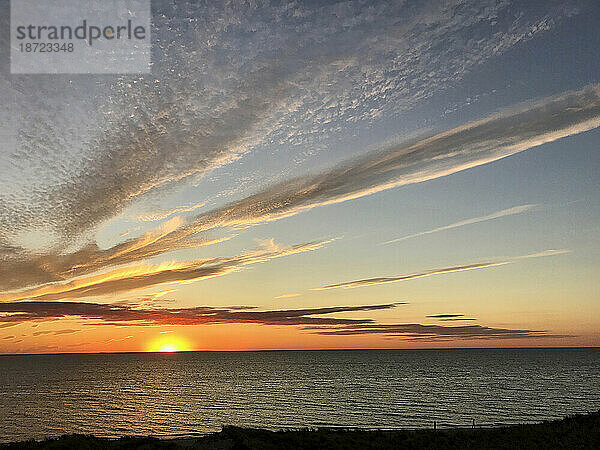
{"x":133,"y":278}
{"x":551,"y":252}
{"x":118,"y":339}
{"x":461,"y":148}
{"x":104,"y":142}
{"x":161,"y":215}
{"x":382,"y":280}
{"x":445,"y":153}
{"x":444,"y":316}
{"x":434,"y":332}
{"x":55,"y":332}
{"x":107,"y":314}
{"x":15,"y":313}
{"x":457,"y":319}
{"x":496,"y":215}
{"x":428,"y":273}
{"x":450,"y":317}
{"x":19,"y":270}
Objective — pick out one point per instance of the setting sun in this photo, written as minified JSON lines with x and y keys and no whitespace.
{"x":169,"y":348}
{"x":169,"y":344}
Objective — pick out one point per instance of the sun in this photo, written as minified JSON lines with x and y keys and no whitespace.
{"x":169,"y":344}
{"x":169,"y":349}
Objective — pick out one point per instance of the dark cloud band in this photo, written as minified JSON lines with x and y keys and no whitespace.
{"x":15,"y":313}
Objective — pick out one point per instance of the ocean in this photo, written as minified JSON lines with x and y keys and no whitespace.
{"x":192,"y":393}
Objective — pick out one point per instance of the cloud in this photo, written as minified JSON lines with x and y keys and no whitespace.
{"x":153,"y":298}
{"x":20,"y":312}
{"x":287,"y":295}
{"x":415,"y":330}
{"x":120,"y":315}
{"x":445,"y":153}
{"x":445,"y":316}
{"x":428,"y":273}
{"x":161,"y":215}
{"x":551,"y":252}
{"x":237,"y":79}
{"x":133,"y":278}
{"x":496,"y":215}
{"x":450,"y":317}
{"x":456,"y":319}
{"x":20,"y":270}
{"x":118,"y":339}
{"x":56,"y":332}
{"x":382,"y":280}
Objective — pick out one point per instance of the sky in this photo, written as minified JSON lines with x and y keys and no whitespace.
{"x":307,"y":175}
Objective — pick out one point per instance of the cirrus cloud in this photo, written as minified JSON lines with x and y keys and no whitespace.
{"x":137,"y":277}
{"x":442,"y":154}
{"x":445,"y":270}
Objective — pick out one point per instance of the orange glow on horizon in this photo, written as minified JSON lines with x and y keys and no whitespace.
{"x":169,"y":344}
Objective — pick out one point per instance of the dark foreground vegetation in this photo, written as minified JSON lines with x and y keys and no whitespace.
{"x":581,"y":431}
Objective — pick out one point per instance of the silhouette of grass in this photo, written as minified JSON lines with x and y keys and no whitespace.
{"x":579,"y":431}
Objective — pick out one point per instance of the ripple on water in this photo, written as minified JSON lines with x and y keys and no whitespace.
{"x":113,"y":395}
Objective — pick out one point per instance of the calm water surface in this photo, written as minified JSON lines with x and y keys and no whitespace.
{"x":186,"y":394}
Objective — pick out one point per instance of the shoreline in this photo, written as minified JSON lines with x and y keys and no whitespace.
{"x":577,"y":431}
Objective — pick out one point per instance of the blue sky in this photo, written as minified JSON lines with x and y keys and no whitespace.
{"x":255,"y":123}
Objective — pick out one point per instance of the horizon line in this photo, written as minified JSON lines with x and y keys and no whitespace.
{"x":306,"y":350}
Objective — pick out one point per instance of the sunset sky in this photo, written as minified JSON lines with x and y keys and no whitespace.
{"x":307,"y":175}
